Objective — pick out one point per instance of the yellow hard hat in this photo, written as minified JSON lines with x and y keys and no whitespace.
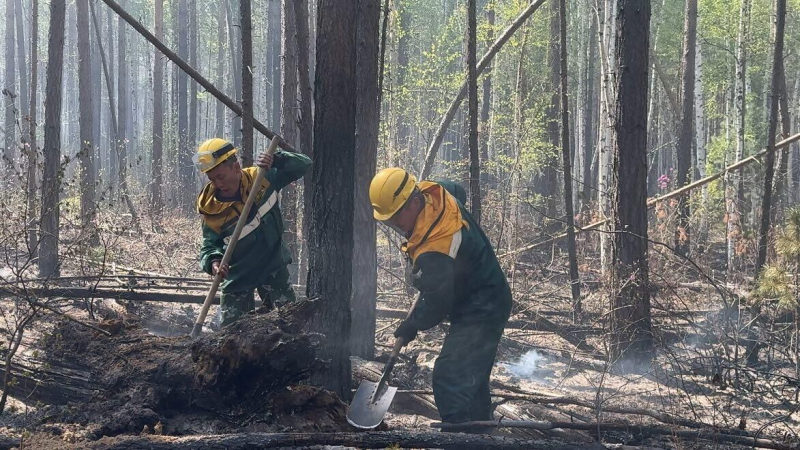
{"x":212,"y":152}
{"x":389,"y":191}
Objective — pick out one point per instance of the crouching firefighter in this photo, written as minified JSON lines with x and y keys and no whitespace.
{"x":260,"y":259}
{"x":458,"y":276}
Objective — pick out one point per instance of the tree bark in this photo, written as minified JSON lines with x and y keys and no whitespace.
{"x":184,"y":150}
{"x":402,"y":144}
{"x":436,"y":141}
{"x":685,"y":137}
{"x":52,"y":172}
{"x":575,"y":286}
{"x":86,"y":112}
{"x":157,"y":185}
{"x":330,"y":239}
{"x":472,"y":88}
{"x":9,"y":93}
{"x":733,"y":183}
{"x":305,"y":126}
{"x":108,"y":68}
{"x":769,"y":162}
{"x":288,"y":90}
{"x":549,"y":181}
{"x":365,"y":260}
{"x":587,"y":116}
{"x":246,"y":23}
{"x":700,"y":137}
{"x":487,"y":89}
{"x":275,"y":59}
{"x":236,"y":64}
{"x":631,"y":343}
{"x":33,"y":150}
{"x":192,"y":125}
{"x":219,"y":129}
{"x":123,"y":108}
{"x":24,"y":89}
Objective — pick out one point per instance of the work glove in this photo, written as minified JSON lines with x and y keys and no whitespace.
{"x":406,"y":331}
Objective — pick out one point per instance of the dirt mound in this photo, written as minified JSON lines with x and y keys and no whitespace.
{"x":246,"y":375}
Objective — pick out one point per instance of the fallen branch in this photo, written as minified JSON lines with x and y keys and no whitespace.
{"x":656,"y":200}
{"x":373,"y":439}
{"x":633,"y":429}
{"x":227,"y":101}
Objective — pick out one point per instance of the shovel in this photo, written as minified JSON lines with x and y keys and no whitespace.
{"x":372,"y":400}
{"x":226,"y":258}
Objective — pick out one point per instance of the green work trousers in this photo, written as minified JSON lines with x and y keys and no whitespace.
{"x":461,"y":372}
{"x":274,"y":290}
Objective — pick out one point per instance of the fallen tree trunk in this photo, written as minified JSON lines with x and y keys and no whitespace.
{"x":374,"y":439}
{"x":656,"y":200}
{"x":632,"y":429}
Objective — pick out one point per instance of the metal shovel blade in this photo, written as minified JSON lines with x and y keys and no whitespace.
{"x":366,"y":411}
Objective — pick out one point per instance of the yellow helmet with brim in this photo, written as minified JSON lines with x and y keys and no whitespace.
{"x":389,"y":191}
{"x":212,"y":153}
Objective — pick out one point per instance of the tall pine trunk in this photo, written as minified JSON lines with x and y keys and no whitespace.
{"x":33,"y":150}
{"x":9,"y":93}
{"x":631,"y":346}
{"x":365,"y":262}
{"x":192,"y":130}
{"x":472,"y":89}
{"x":184,"y":148}
{"x":51,"y":175}
{"x":733,"y":182}
{"x":685,"y":136}
{"x":86,"y":111}
{"x":305,"y":126}
{"x":566,"y":159}
{"x":157,"y":185}
{"x":330,"y":275}
{"x":769,"y":161}
{"x":549,"y":180}
{"x":219,"y":129}
{"x":288,"y":128}
{"x":246,"y":22}
{"x":487,"y":89}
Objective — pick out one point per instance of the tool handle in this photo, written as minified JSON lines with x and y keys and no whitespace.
{"x":226,"y":258}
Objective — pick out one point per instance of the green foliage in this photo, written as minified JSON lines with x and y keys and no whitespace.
{"x":776,"y":281}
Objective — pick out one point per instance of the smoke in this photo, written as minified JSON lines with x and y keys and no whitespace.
{"x":527,"y":365}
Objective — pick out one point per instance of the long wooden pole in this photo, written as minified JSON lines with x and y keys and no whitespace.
{"x":676,"y":193}
{"x":226,"y":258}
{"x":207,"y":85}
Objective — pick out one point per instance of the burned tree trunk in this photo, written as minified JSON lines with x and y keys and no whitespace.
{"x":52,"y":173}
{"x":331,"y":220}
{"x":631,"y":340}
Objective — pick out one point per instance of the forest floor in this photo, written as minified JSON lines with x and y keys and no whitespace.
{"x":74,"y":385}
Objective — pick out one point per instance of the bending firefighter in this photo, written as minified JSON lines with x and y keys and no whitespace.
{"x":457,"y":273}
{"x":260,"y":259}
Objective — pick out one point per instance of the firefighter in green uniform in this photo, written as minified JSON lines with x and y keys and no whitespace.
{"x":260,"y":259}
{"x":459,"y":277}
